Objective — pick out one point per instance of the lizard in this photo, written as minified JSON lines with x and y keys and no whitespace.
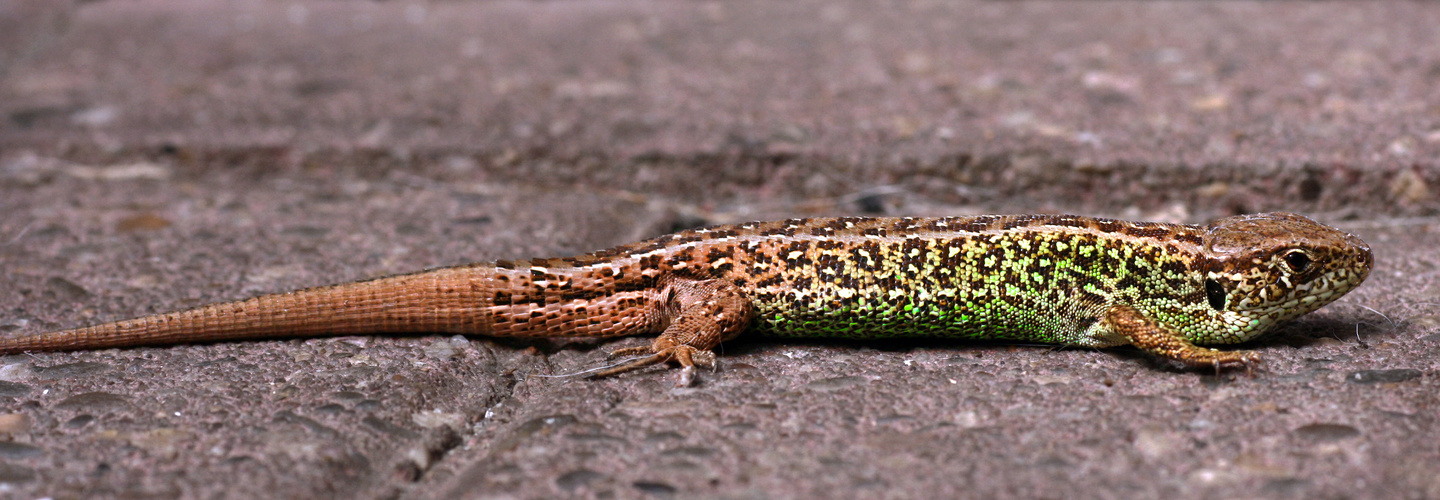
{"x":1167,"y":289}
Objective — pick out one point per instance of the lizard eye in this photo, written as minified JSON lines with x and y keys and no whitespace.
{"x":1297,"y":260}
{"x":1216,"y":294}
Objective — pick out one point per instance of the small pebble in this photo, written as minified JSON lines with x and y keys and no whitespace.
{"x":14,"y":423}
{"x":1383,"y":376}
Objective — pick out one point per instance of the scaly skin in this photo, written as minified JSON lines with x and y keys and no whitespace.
{"x":1050,"y":278}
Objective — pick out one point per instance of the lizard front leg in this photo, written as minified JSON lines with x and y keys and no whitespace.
{"x":1138,"y":330}
{"x":703,"y":314}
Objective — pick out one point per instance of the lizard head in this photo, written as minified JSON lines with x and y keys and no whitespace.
{"x":1267,"y":268}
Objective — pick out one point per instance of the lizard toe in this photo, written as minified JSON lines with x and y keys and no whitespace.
{"x":653,"y":359}
{"x":687,"y":356}
{"x":630,"y":351}
{"x":704,"y":358}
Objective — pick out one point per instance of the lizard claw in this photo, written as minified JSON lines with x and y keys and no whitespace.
{"x":1252,"y":361}
{"x":1220,"y":360}
{"x":628,"y":351}
{"x":687,"y":356}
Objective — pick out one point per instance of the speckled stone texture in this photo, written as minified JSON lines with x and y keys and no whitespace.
{"x":156,"y":155}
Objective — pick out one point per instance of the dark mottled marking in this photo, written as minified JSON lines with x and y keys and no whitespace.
{"x":762,"y":258}
{"x":904,"y":225}
{"x":771,"y":281}
{"x":635,"y":285}
{"x":1175,"y":267}
{"x":986,"y":220}
{"x":779,"y":231}
{"x":583,"y":295}
{"x":941,"y":224}
{"x":1023,"y":221}
{"x":866,"y":256}
{"x":800,"y":246}
{"x":1128,"y":282}
{"x":802,"y":282}
{"x":682,"y":239}
{"x":976,"y":225}
{"x":720,"y":252}
{"x":1108,"y":225}
{"x":1148,"y":230}
{"x":1069,"y":221}
{"x":652,"y":246}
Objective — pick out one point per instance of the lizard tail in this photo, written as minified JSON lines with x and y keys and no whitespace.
{"x":444,"y":300}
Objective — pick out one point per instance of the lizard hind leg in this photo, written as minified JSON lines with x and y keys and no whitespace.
{"x":710,"y":311}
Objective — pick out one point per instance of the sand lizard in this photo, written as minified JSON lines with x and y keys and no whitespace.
{"x":1063,"y":279}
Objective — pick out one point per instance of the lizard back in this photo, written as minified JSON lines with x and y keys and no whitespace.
{"x":1037,"y":278}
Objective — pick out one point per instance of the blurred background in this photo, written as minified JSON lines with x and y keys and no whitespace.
{"x":737,"y":109}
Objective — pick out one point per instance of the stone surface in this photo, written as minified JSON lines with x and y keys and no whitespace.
{"x":156,"y":155}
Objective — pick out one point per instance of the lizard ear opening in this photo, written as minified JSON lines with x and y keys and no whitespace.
{"x":1215,"y":293}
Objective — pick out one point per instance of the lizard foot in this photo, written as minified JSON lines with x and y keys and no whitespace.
{"x":1154,"y":338}
{"x":688,"y":357}
{"x":709,"y":311}
{"x":1223,"y":359}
